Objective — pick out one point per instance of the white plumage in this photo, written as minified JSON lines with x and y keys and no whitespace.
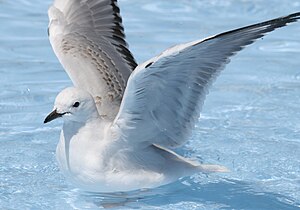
{"x":119,"y":126}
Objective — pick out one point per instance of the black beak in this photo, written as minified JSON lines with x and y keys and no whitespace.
{"x":52,"y":116}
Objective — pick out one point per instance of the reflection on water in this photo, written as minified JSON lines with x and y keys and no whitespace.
{"x":223,"y":194}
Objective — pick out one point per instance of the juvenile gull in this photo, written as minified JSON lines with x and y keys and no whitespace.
{"x":119,"y":124}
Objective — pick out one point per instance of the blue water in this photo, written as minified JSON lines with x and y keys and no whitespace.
{"x":250,"y":121}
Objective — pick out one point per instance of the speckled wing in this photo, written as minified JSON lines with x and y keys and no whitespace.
{"x":164,"y":96}
{"x":88,"y":38}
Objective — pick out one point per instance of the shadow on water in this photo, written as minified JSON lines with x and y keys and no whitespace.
{"x":227,"y":194}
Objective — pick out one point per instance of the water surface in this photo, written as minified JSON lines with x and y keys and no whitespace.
{"x":250,"y":120}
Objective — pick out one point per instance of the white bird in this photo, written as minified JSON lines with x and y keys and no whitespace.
{"x":119,"y":125}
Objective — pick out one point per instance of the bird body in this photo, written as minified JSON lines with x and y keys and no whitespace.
{"x":119,"y":127}
{"x":93,"y":154}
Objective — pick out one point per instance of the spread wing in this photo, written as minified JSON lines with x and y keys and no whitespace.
{"x":164,"y":96}
{"x":88,"y":38}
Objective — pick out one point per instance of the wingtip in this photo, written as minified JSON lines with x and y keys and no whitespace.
{"x":291,"y":17}
{"x":296,"y":15}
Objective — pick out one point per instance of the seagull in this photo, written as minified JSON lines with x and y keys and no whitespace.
{"x":122,"y":120}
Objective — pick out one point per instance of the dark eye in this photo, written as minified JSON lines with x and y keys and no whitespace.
{"x":76,"y":104}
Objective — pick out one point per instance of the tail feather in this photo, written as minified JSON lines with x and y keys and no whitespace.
{"x":213,"y":168}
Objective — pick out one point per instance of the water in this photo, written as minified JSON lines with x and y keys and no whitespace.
{"x":250,"y":121}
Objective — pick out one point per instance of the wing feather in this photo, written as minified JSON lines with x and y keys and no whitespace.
{"x":88,"y":38}
{"x":164,"y":96}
